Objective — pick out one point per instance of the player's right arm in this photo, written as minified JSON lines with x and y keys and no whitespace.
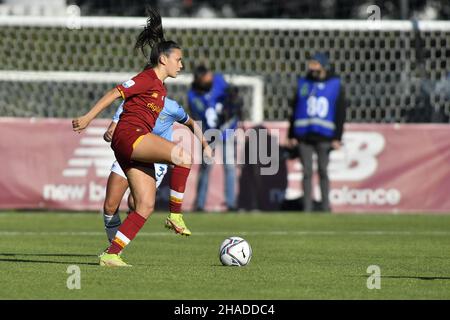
{"x":132,"y":87}
{"x":79,"y":124}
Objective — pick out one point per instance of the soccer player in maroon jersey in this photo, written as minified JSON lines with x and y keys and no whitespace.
{"x":135,"y":147}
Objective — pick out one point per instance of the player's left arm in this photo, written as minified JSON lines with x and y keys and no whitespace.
{"x":107,"y":136}
{"x":197,"y":131}
{"x":182,"y":117}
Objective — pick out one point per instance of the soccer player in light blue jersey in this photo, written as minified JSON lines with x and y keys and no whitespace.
{"x":117,"y":181}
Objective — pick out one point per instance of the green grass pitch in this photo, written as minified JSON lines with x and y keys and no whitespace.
{"x":295,"y":256}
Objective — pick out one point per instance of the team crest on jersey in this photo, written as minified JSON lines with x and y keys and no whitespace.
{"x":155,"y":95}
{"x":128,"y":83}
{"x":304,"y":90}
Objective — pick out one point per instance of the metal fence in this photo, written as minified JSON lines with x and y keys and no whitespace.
{"x":393,"y":71}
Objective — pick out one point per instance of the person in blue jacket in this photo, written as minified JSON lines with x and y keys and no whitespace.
{"x":216,"y":104}
{"x":317,"y":124}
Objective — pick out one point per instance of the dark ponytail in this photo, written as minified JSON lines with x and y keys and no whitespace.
{"x":153,"y":36}
{"x":153,"y":31}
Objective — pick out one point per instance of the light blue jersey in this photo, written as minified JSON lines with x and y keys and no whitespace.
{"x":171,"y":112}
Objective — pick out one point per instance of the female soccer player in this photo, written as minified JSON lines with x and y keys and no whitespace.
{"x":135,"y":147}
{"x":117,"y":180}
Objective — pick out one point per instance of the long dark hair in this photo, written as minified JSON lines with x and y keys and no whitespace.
{"x":153,"y":36}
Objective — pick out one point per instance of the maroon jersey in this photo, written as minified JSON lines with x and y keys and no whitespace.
{"x":144,"y":98}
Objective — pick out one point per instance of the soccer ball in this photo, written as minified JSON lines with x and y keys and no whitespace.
{"x":235,"y":251}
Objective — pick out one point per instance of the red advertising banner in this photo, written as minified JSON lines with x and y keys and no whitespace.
{"x":380,"y":168}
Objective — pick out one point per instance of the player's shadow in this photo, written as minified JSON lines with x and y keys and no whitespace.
{"x":416,"y":277}
{"x":412,"y":277}
{"x":75,"y":255}
{"x":48,"y":254}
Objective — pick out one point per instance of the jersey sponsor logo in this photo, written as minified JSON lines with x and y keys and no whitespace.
{"x":152,"y":106}
{"x":128,"y":84}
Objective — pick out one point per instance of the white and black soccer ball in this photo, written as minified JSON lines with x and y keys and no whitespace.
{"x":235,"y":251}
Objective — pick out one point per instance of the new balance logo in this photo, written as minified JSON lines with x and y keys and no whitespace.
{"x":356,"y":161}
{"x":93,"y":152}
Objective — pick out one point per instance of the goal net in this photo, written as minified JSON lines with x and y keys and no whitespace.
{"x":393,"y":71}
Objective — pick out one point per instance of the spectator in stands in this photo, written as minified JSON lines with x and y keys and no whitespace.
{"x":217,"y":105}
{"x":317,"y":123}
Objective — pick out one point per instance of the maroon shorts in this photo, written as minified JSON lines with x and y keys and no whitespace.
{"x":124,"y":140}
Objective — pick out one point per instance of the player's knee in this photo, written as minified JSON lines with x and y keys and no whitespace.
{"x":131,"y":204}
{"x":145,"y":207}
{"x":187,"y":159}
{"x":109,"y":208}
{"x":181,"y":157}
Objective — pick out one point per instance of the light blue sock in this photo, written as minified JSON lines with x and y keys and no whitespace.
{"x":112,"y":224}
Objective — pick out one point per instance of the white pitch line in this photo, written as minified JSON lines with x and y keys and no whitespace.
{"x":230,"y":233}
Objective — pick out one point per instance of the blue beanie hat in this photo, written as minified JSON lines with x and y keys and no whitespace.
{"x":322,"y":58}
